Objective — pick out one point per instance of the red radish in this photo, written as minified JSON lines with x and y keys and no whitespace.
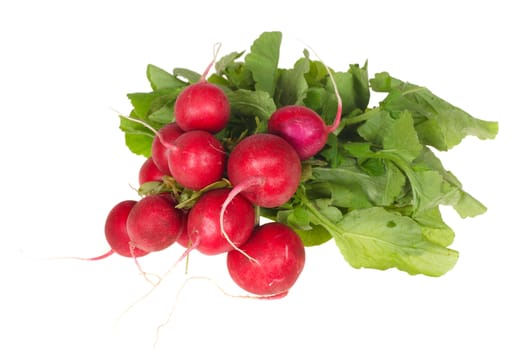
{"x":265,"y":168}
{"x":303,"y":128}
{"x":117,"y":233}
{"x":159,"y":149}
{"x":202,"y":106}
{"x":149,"y":172}
{"x":280,"y":258}
{"x":197,"y":159}
{"x":154,"y":223}
{"x":204,"y":227}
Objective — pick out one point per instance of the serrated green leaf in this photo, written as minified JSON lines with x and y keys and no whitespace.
{"x":438,"y":123}
{"x":380,"y":190}
{"x":145,"y":103}
{"x":191,"y":76}
{"x":393,"y":134}
{"x":251,"y":103}
{"x":263,"y":61}
{"x":383,"y":82}
{"x":163,"y":115}
{"x":315,"y":236}
{"x":160,"y":79}
{"x":375,"y":238}
{"x":292,"y":87}
{"x":139,"y":144}
{"x":226,"y":61}
{"x":434,"y":228}
{"x":401,"y":137}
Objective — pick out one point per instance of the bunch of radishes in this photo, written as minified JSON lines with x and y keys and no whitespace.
{"x":262,"y":170}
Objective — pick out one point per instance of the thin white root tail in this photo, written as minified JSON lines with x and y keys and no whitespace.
{"x":216,"y":49}
{"x":216,"y":285}
{"x":337,"y":119}
{"x":144,"y":274}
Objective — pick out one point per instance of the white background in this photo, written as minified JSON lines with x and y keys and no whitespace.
{"x":66,"y":66}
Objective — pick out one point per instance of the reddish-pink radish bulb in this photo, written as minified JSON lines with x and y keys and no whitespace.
{"x":202,"y":106}
{"x":149,"y":172}
{"x":302,"y":127}
{"x":196,"y":159}
{"x":279,"y":257}
{"x":204,"y":227}
{"x":164,"y":137}
{"x":265,"y":168}
{"x":117,"y":233}
{"x":154,"y":223}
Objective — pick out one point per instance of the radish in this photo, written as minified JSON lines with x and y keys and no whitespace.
{"x":204,"y":227}
{"x":149,"y":172}
{"x":117,"y":233}
{"x":196,"y":159}
{"x":302,"y":127}
{"x":280,"y":258}
{"x":154,"y":223}
{"x":265,"y":168}
{"x":159,"y":149}
{"x":202,"y":105}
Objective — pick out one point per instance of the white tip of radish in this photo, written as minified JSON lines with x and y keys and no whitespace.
{"x":216,"y":49}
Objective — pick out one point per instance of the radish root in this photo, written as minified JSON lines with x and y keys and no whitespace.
{"x":216,"y":49}
{"x":216,"y":285}
{"x":100,"y":257}
{"x":234,"y":192}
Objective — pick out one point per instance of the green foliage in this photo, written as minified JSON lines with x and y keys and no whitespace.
{"x":377,"y":186}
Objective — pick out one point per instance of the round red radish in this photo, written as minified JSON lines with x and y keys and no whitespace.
{"x":279,"y":260}
{"x":202,"y":106}
{"x":116,"y":230}
{"x":302,"y":127}
{"x":197,"y":159}
{"x":149,"y":172}
{"x":204,"y":227}
{"x":154,"y":223}
{"x":266,"y":169}
{"x":159,"y":150}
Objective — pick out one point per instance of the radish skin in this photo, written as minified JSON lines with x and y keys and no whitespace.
{"x":303,"y":128}
{"x":280,"y":256}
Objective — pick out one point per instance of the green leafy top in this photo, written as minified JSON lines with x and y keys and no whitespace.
{"x":377,"y":186}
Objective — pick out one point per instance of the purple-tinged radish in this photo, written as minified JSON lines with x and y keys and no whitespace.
{"x":303,"y":128}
